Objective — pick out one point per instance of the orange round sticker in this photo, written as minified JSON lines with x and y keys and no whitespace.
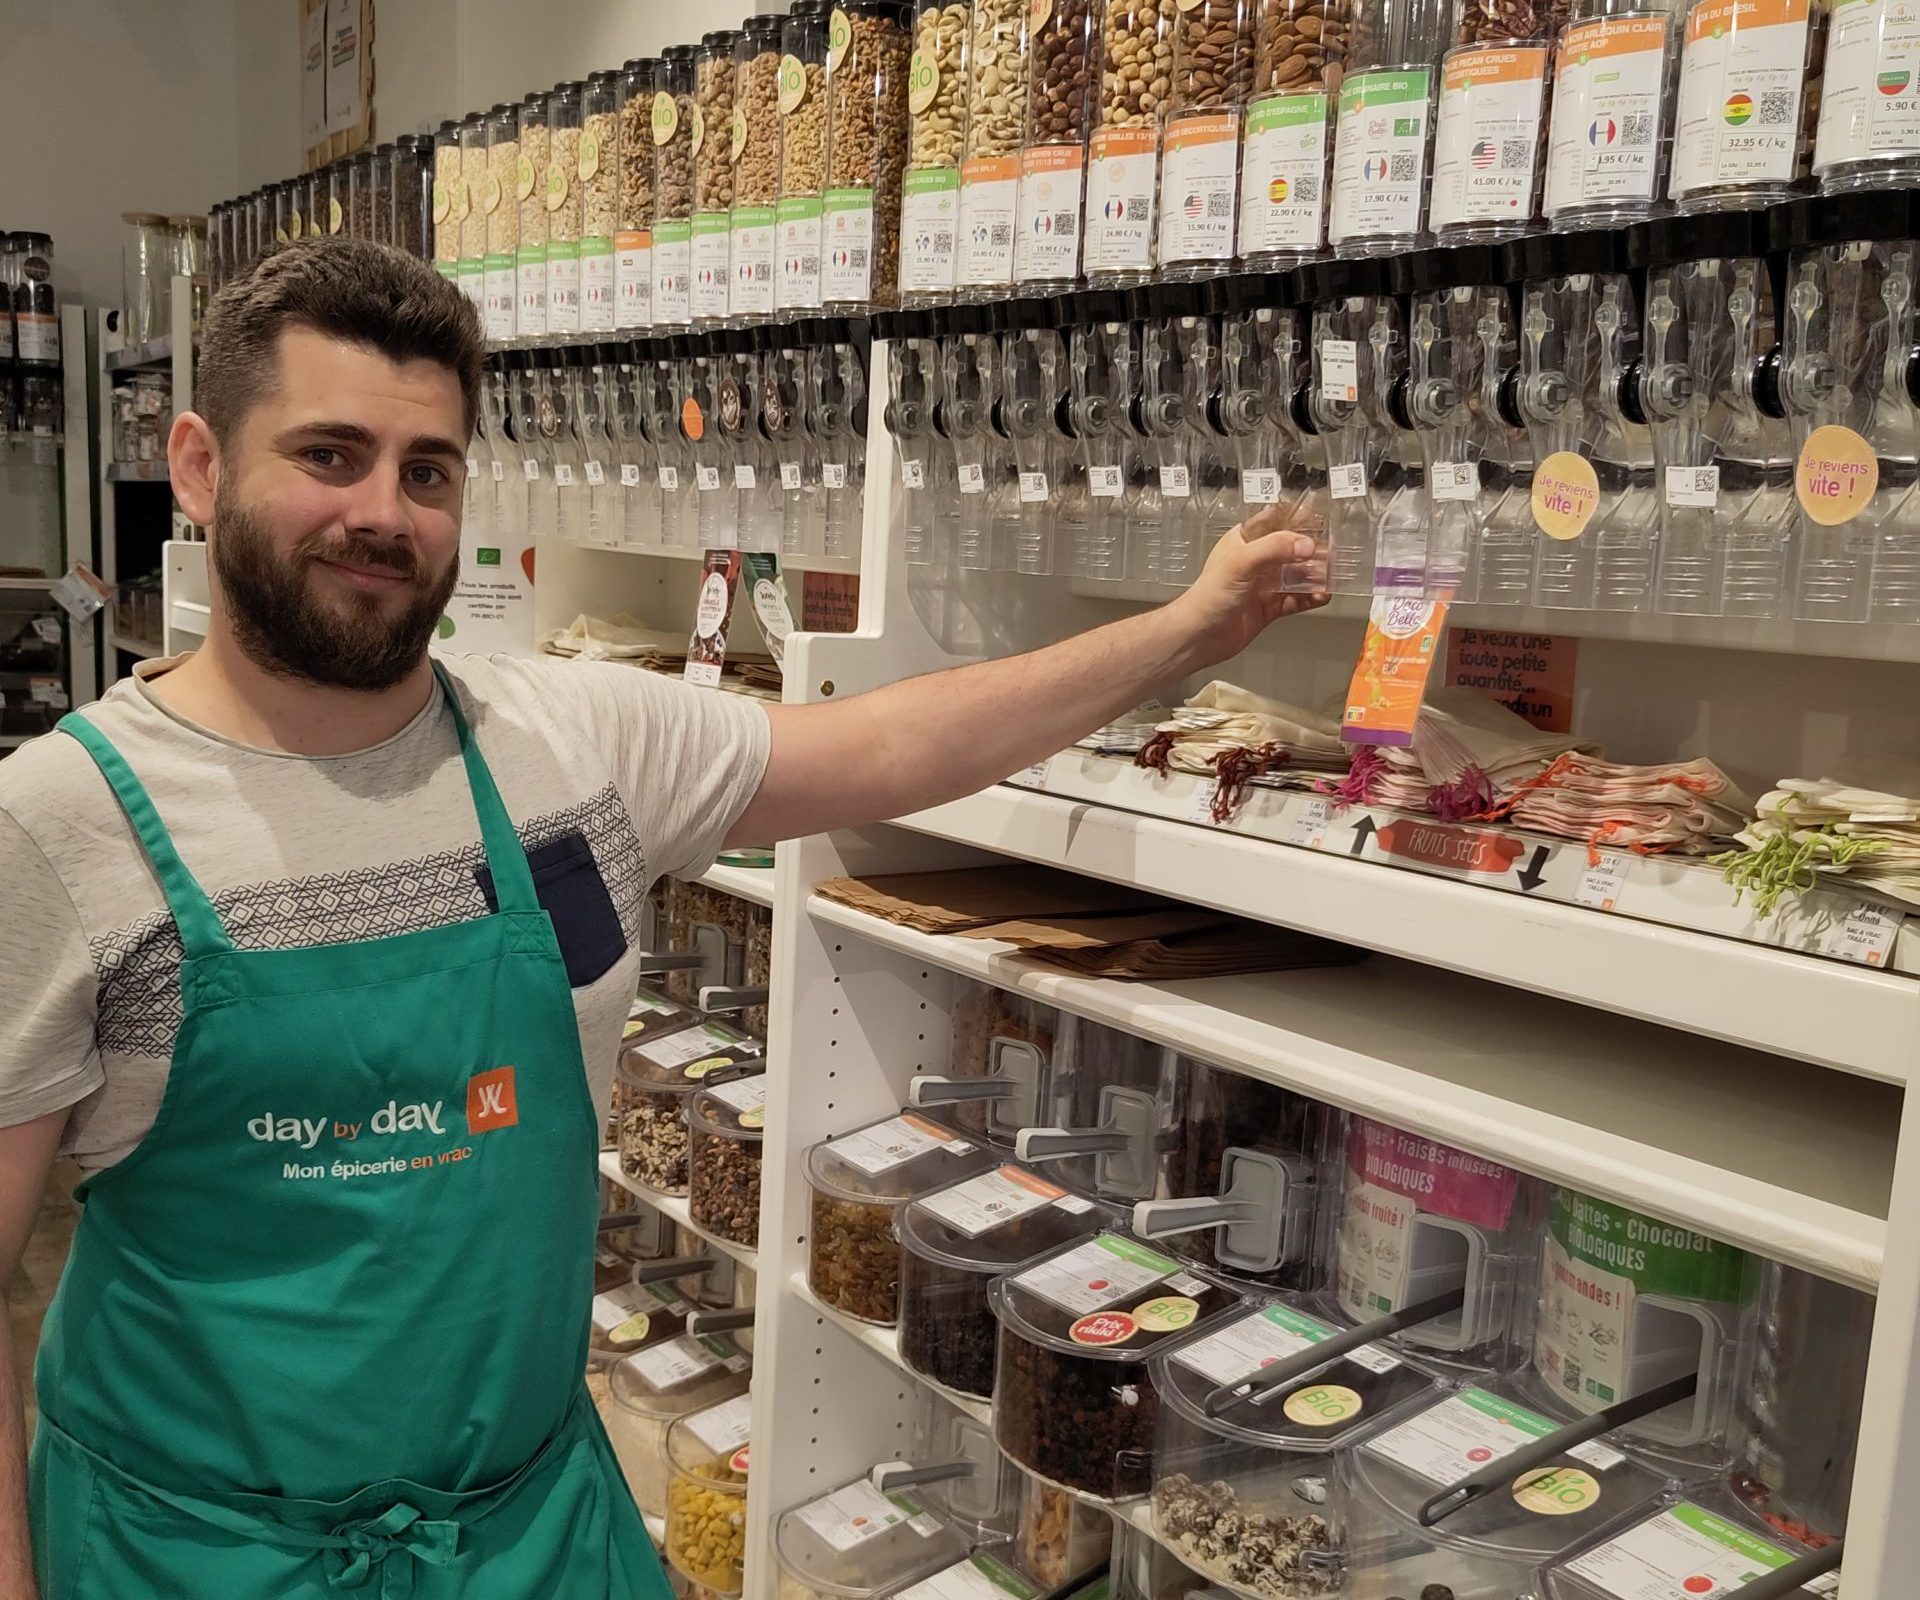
{"x":1835,"y":476}
{"x":692,"y":422}
{"x":1556,"y":1493}
{"x":1566,"y":493}
{"x":739,"y":1459}
{"x":1104,"y":1327}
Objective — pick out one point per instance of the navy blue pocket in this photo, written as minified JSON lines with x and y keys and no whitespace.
{"x":567,"y":880}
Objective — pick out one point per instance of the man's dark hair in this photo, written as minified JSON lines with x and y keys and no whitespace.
{"x":366,"y":294}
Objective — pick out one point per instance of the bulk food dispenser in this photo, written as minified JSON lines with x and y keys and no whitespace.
{"x":836,"y":413}
{"x":1383,"y":144}
{"x":1118,"y":1105}
{"x":1033,"y":413}
{"x":1103,"y":361}
{"x":970,"y":373}
{"x":1593,"y":494}
{"x":1849,"y":378}
{"x":999,"y":1063}
{"x":783,"y":418}
{"x":699,"y":408}
{"x":1462,"y":356}
{"x":660,"y":384}
{"x":1299,"y":54}
{"x":1198,"y":478}
{"x":1710,"y":386}
{"x":913,"y":393}
{"x":1359,"y":352}
{"x":758,"y":499}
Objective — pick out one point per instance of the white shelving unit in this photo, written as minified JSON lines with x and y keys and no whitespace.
{"x":1748,"y":1088}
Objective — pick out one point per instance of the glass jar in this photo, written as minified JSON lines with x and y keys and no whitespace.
{"x":653,"y":1387}
{"x":954,"y":1242}
{"x":412,"y":193}
{"x":1299,"y":55}
{"x":1072,"y":1400}
{"x":713,"y":80}
{"x":990,"y":171}
{"x":803,"y":157}
{"x":859,"y":1181}
{"x":502,"y":212}
{"x":707,"y":1462}
{"x":1240,"y":1483}
{"x":360,"y":190}
{"x":1381,"y":164}
{"x":727,"y":1124}
{"x":633,"y":234}
{"x":187,"y":247}
{"x":1490,"y":140}
{"x":936,"y":131}
{"x":530,"y":192}
{"x":867,"y":58}
{"x":1200,"y":139}
{"x":859,"y":1544}
{"x":382,"y":222}
{"x":145,"y":276}
{"x":564,"y":209}
{"x":1611,"y":134}
{"x":673,"y":125}
{"x":315,"y":208}
{"x":599,"y":200}
{"x":755,"y":138}
{"x":1136,"y":78}
{"x":447,"y":189}
{"x":339,"y":201}
{"x":1750,"y":88}
{"x":1062,"y":82}
{"x":36,"y":308}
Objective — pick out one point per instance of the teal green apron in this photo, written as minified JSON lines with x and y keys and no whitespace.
{"x":323,"y":1332}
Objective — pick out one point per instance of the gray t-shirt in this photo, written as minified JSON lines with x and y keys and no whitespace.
{"x":613,"y":776}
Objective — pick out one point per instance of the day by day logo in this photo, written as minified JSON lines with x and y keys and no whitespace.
{"x":491,"y":1101}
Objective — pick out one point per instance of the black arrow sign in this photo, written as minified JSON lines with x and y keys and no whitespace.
{"x":1532,"y":875}
{"x":1363,"y":830}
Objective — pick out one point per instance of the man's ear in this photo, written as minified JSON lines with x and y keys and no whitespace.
{"x":193,"y":465}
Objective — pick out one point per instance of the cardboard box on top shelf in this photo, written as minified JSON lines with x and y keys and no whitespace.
{"x":336,"y":78}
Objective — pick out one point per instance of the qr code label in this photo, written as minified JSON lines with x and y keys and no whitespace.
{"x":1778,"y":107}
{"x":1693,"y":486}
{"x":1636,"y":128}
{"x":1306,"y":189}
{"x":1403,"y":167}
{"x":913,"y":474}
{"x":1516,"y":155}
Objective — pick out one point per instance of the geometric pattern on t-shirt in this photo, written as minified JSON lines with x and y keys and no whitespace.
{"x":138,"y":964}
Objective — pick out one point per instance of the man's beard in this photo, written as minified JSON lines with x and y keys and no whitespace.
{"x":284,"y":627}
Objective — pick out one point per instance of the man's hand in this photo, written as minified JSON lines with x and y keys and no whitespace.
{"x":1249,"y":582}
{"x":933,"y":739}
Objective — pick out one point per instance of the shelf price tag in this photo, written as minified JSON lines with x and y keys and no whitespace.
{"x":670,"y":479}
{"x":499,"y":471}
{"x":706,"y":477}
{"x":1348,"y":482}
{"x":1866,"y":935}
{"x":1600,"y":884}
{"x":531,"y":468}
{"x":1309,"y":829}
{"x":1260,"y":486}
{"x":1035,"y":776}
{"x":973,"y":478}
{"x":1454,"y":480}
{"x":1340,"y":369}
{"x":1200,"y":808}
{"x":1693,"y":486}
{"x":743,"y":476}
{"x":1174,"y":482}
{"x":1103,"y":483}
{"x":789,"y":474}
{"x":563,"y":474}
{"x":1033,"y":488}
{"x":629,"y":475}
{"x":833,"y":474}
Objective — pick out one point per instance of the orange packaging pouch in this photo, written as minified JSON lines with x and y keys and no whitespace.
{"x":1390,"y":678}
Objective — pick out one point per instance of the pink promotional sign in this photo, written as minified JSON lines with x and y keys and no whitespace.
{"x":1439,"y":1179}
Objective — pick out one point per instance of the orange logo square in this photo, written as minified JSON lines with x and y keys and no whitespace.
{"x":491,"y":1102}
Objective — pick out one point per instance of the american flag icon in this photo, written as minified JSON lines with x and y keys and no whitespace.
{"x":1194,"y":207}
{"x":1484,"y":154}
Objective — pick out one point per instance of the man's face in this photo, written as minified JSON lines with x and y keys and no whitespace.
{"x":336,"y":526}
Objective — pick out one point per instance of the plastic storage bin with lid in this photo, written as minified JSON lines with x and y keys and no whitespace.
{"x":858,"y":1543}
{"x":1072,"y":1400}
{"x":1058,"y":1536}
{"x":1420,"y":1224}
{"x":954,"y":1242}
{"x":658,"y":1071}
{"x":708,"y":1461}
{"x":859,"y":1181}
{"x":1142,"y":1568}
{"x":630,"y":1315}
{"x":999,"y":1057}
{"x":727,"y":1126}
{"x":1695,"y":1541}
{"x":1628,"y":1304}
{"x":1242,"y":1472}
{"x":652,"y":1387}
{"x":962,"y":1472}
{"x":1242,"y":1193}
{"x":1519,"y":1519}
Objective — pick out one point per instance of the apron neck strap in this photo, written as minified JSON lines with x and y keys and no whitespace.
{"x":506,"y":857}
{"x":200,"y":931}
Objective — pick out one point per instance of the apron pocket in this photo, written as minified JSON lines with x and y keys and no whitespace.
{"x":574,"y":896}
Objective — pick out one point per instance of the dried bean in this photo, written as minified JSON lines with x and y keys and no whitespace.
{"x":531,"y":184}
{"x":673,"y":168}
{"x":563,"y":186}
{"x":473,"y":217}
{"x":446,"y":209}
{"x":636,"y":162}
{"x":503,"y":231}
{"x":803,"y":137}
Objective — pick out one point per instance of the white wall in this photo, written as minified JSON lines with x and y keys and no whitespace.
{"x":109,"y":106}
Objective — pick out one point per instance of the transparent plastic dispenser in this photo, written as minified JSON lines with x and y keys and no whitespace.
{"x":716,"y":504}
{"x":970,"y":369}
{"x":1458,"y":397}
{"x":837,"y":419}
{"x":1593,"y":496}
{"x":999,"y":1063}
{"x":1197,"y":478}
{"x":570,"y":444}
{"x":1710,"y":388}
{"x":1243,"y":1476}
{"x":1630,"y":1306}
{"x":1851,"y":376}
{"x":861,"y":1542}
{"x":1249,"y":325}
{"x":1432,"y":1245}
{"x":1033,"y":358}
{"x":783,"y":414}
{"x":637,"y":498}
{"x":913,"y":395}
{"x":661,"y":384}
{"x":594,"y":381}
{"x":1359,"y":351}
{"x":1118,"y":1103}
{"x":1104,"y":391}
{"x":756,"y":482}
{"x":1244,"y":1194}
{"x":978,"y":1489}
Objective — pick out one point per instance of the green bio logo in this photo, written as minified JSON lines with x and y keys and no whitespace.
{"x":486,"y":558}
{"x":1406,"y":127}
{"x":839,"y":37}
